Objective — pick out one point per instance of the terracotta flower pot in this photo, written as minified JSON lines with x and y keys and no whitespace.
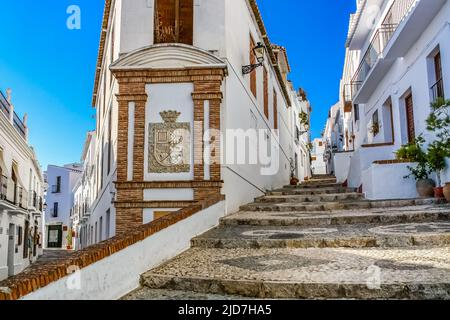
{"x":447,"y":191}
{"x":439,"y":193}
{"x":425,"y":188}
{"x":294,"y":181}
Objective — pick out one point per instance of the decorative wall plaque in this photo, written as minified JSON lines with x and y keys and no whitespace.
{"x":170,"y":144}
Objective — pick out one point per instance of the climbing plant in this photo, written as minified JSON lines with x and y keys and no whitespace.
{"x":304,"y":119}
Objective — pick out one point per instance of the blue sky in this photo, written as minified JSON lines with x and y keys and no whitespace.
{"x":51,"y":68}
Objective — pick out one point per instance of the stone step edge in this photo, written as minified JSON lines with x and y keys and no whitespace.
{"x":318,"y":198}
{"x":326,"y":220}
{"x":342,"y":205}
{"x":296,"y":290}
{"x":357,"y":242}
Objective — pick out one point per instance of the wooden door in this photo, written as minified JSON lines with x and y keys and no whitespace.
{"x":54,"y":238}
{"x":438,"y":66}
{"x":410,"y":118}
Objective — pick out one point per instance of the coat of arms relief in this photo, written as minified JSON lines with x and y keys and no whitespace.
{"x":169,"y":145}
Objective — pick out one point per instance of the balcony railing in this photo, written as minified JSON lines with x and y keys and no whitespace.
{"x":5,"y":107}
{"x":54,"y":213}
{"x":18,"y":124}
{"x":437,"y":90}
{"x":56,"y":189}
{"x":19,"y":196}
{"x":349,"y":91}
{"x":3,"y":187}
{"x":398,"y":11}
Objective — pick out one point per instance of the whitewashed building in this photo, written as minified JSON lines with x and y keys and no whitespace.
{"x":333,"y":136}
{"x":21,"y":191}
{"x":59,"y":202}
{"x":192,"y":100}
{"x":84,"y":213}
{"x":318,"y":157}
{"x":397,"y":62}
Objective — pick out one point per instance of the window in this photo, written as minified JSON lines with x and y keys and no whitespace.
{"x":109,"y":141}
{"x":113,"y":36}
{"x":437,"y":89}
{"x":253,"y":73}
{"x":100,"y":232}
{"x":102,"y":162}
{"x":55,"y":210}
{"x":57,"y":186}
{"x":112,"y":46}
{"x":410,"y":118}
{"x":96,"y":232}
{"x":275,"y":110}
{"x":266,"y":93}
{"x":104,"y":93}
{"x":108,"y":223}
{"x":19,"y":236}
{"x":375,"y":124}
{"x":174,"y":21}
{"x":356,"y":113}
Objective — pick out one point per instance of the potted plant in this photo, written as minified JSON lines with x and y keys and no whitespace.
{"x":413,"y":152}
{"x":375,"y":128}
{"x":438,"y":122}
{"x":436,"y":162}
{"x":294,"y":180}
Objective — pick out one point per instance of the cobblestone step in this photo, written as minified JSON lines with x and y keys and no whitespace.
{"x":316,"y":191}
{"x":314,"y":185}
{"x":436,"y":233}
{"x":330,"y":206}
{"x":392,"y":215}
{"x":309,"y":198}
{"x":145,"y":293}
{"x":419,"y":273}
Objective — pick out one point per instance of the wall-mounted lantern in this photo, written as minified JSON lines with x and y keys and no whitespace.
{"x":259,"y":52}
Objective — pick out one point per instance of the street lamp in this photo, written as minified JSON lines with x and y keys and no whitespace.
{"x":259,"y":52}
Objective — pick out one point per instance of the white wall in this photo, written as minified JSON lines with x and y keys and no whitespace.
{"x":116,"y":275}
{"x":342,"y":165}
{"x":393,"y":186}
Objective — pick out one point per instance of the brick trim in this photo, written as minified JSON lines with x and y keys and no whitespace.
{"x":37,"y":277}
{"x":377,"y":145}
{"x":169,"y":184}
{"x":152,"y":204}
{"x":392,"y":161}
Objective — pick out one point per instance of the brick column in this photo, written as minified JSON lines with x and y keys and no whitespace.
{"x":207,"y":91}
{"x":129,"y":218}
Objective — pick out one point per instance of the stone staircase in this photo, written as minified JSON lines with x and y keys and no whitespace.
{"x":318,"y":240}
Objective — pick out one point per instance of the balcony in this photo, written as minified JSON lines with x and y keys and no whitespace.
{"x":437,"y":90}
{"x":12,"y":197}
{"x":360,"y":29}
{"x":403,"y":24}
{"x":347,"y":97}
{"x":35,"y":202}
{"x":3,"y":187}
{"x":5,"y":107}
